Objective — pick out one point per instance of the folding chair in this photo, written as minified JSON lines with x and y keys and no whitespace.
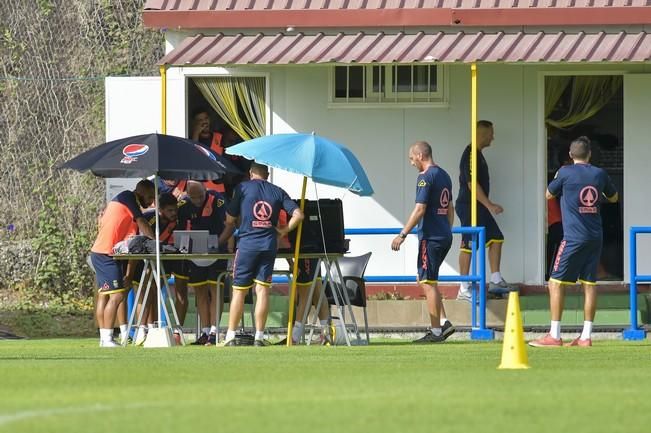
{"x":352,"y":271}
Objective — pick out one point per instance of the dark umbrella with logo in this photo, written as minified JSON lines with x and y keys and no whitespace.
{"x":158,"y":155}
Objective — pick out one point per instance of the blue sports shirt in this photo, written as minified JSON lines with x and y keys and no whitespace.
{"x":128,"y":198}
{"x":434,"y":189}
{"x":483,"y":179}
{"x":581,"y":186}
{"x":210,"y":216}
{"x":258,"y":203}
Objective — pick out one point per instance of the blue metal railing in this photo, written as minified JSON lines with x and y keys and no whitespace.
{"x":635,"y":332}
{"x":477,"y":277}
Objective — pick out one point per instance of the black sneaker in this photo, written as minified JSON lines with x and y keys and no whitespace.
{"x":261,"y":343}
{"x":430,"y":338}
{"x":447,"y":329}
{"x":202,"y":340}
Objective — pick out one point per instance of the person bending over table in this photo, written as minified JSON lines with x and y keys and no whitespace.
{"x":121,"y":218}
{"x":201,"y":210}
{"x":257,"y":203}
{"x":167,"y":218}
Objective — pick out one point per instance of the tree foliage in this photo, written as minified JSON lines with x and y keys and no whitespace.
{"x":55,"y":55}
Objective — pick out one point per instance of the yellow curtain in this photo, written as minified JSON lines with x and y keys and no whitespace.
{"x":554,"y":88}
{"x":589,"y":95}
{"x":228,"y":95}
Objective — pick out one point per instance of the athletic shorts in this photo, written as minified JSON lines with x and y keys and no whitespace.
{"x":307,"y":269}
{"x":576,"y":261}
{"x":109,"y":273}
{"x":251,"y":267}
{"x":199,"y":275}
{"x":484,"y":219}
{"x":168,"y":265}
{"x":431,"y":255}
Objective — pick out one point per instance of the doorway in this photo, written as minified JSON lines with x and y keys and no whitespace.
{"x":591,"y":106}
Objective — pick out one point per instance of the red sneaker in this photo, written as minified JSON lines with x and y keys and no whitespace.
{"x":546,"y":341}
{"x":580,"y":343}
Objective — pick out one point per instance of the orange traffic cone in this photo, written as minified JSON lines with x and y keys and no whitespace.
{"x":514,"y":353}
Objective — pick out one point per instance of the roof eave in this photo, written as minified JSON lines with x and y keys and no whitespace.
{"x":364,"y":18}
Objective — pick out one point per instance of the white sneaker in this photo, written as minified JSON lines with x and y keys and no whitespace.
{"x":108,"y":343}
{"x":464,"y":295}
{"x":141,"y":336}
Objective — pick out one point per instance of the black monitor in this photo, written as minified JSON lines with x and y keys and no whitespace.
{"x":324,"y":222}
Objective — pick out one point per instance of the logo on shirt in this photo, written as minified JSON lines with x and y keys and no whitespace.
{"x":588,"y":197}
{"x":444,"y":200}
{"x":131,"y":152}
{"x":206,"y":152}
{"x":422,"y":183}
{"x":262,"y":213}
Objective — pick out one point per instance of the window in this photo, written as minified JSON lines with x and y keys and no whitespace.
{"x":388,"y":84}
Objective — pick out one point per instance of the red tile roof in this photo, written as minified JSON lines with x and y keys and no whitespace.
{"x":358,"y":14}
{"x":276,"y":5}
{"x":443,"y":47}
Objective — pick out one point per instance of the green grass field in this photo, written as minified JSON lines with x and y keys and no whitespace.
{"x":73,"y":386}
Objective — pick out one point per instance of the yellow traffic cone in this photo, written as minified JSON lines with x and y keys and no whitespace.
{"x":514,"y":353}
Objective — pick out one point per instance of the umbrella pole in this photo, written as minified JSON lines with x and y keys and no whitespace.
{"x":160,"y":320}
{"x":292,"y":292}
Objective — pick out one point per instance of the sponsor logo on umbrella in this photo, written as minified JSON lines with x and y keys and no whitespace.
{"x":131,"y":152}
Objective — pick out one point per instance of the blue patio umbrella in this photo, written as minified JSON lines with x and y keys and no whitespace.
{"x":319,"y":158}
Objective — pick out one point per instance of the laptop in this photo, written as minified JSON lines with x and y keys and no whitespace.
{"x":191,"y":241}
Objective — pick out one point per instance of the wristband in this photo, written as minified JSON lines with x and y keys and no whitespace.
{"x":402,"y":235}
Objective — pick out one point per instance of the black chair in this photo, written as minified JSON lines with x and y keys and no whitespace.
{"x":352,"y":271}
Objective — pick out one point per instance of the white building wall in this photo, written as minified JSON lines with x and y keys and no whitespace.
{"x":509,"y":95}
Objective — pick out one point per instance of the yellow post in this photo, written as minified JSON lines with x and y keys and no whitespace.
{"x":163,"y":76}
{"x":514,"y":351}
{"x":473,"y":150}
{"x":292,"y":291}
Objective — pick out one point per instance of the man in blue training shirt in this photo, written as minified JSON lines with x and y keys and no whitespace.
{"x":580,"y":187}
{"x":434,"y":215}
{"x":485,"y":211}
{"x":257,"y":203}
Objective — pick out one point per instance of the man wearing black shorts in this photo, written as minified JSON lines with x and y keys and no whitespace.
{"x":580,"y":187}
{"x":485,"y":211}
{"x":201,"y":209}
{"x":257,"y":203}
{"x":434,"y":215}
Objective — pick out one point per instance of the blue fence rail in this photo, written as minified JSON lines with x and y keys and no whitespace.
{"x":635,"y":332}
{"x":476,"y":276}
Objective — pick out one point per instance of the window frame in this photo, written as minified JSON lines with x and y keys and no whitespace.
{"x":389,"y":98}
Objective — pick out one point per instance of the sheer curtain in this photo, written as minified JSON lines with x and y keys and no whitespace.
{"x":240,"y":101}
{"x":589,"y":95}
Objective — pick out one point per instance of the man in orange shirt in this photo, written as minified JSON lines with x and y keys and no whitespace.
{"x":122,"y":218}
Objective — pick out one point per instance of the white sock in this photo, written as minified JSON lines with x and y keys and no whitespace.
{"x":555,"y":329}
{"x":230,"y":334}
{"x":496,"y":277}
{"x":150,"y":326}
{"x":587,"y":330}
{"x":436,"y":331}
{"x":105,"y":334}
{"x":213,"y":329}
{"x":297,"y":331}
{"x":205,"y":330}
{"x":123,"y":329}
{"x":259,"y":335}
{"x":464,"y":287}
{"x":443,"y":320}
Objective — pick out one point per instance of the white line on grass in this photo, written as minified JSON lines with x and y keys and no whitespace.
{"x":98,"y":407}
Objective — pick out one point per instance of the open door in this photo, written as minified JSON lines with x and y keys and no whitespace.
{"x":133,"y":106}
{"x":637,"y":133}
